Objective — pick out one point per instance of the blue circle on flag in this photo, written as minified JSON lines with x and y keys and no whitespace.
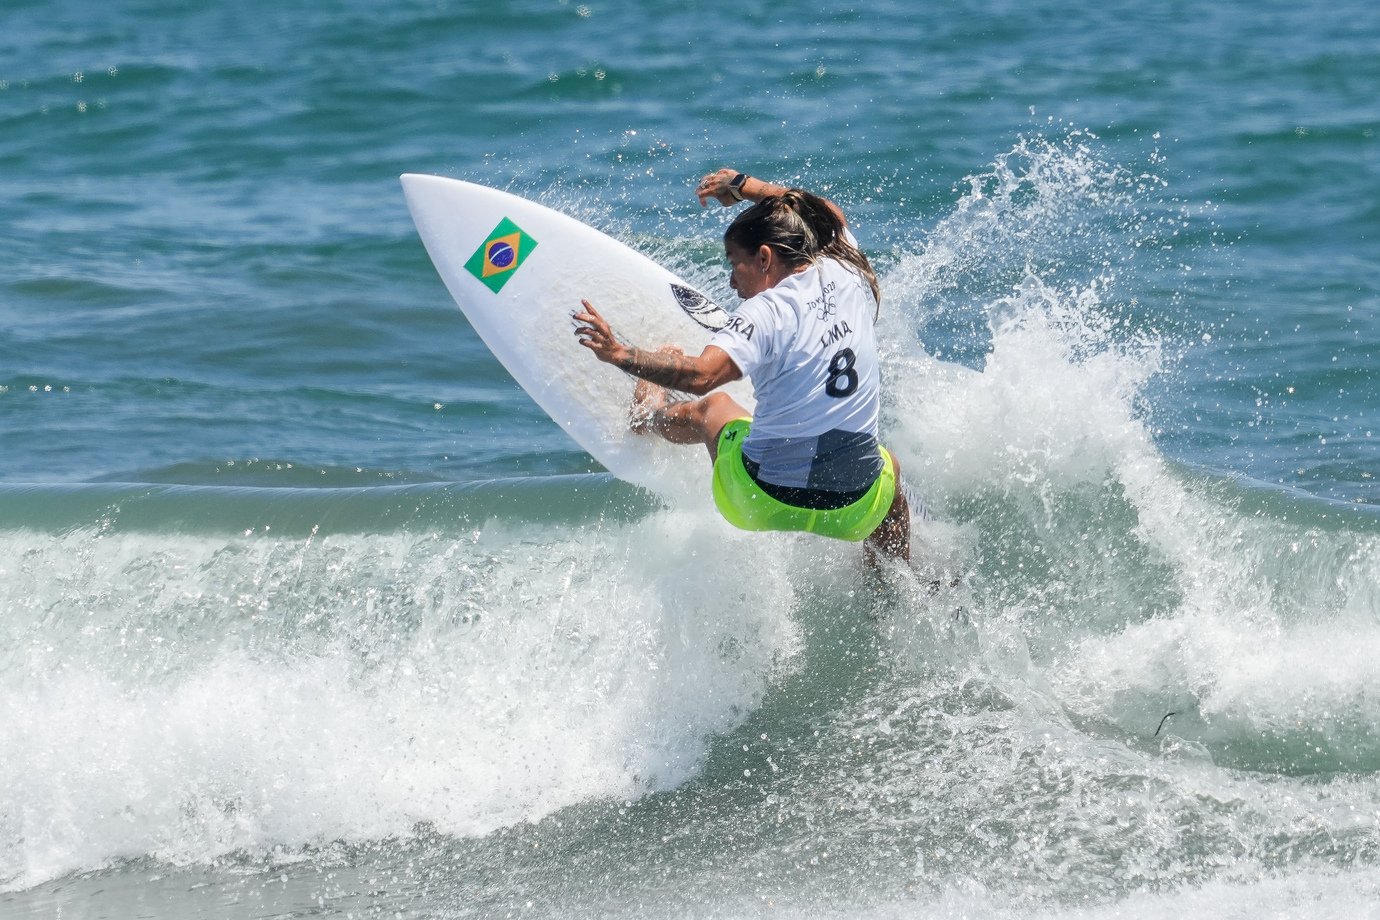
{"x":501,"y":255}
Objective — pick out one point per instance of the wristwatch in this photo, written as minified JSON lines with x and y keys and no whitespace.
{"x":735,"y":186}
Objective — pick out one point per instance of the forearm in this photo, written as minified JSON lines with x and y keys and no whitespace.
{"x":667,"y":369}
{"x":755,"y":189}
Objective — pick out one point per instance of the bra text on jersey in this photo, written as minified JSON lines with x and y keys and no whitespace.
{"x":739,"y":325}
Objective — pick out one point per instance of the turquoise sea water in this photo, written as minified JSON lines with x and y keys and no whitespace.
{"x":307,"y":610}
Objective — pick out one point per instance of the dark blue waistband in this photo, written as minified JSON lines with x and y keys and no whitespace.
{"x":813,"y":499}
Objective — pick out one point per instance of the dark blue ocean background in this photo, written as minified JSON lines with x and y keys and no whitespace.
{"x":306,"y":609}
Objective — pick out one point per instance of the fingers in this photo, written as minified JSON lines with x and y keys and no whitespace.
{"x":590,"y":314}
{"x":706,"y":190}
{"x":593,"y":336}
{"x":703,"y":191}
{"x":593,"y":330}
{"x":715,"y":185}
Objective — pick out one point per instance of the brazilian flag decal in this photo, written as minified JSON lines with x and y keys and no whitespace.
{"x":499,"y":256}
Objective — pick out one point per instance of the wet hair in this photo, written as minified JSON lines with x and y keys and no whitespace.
{"x":801,"y":228}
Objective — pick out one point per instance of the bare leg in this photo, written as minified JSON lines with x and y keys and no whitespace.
{"x":701,"y":420}
{"x":648,"y":399}
{"x":692,"y":422}
{"x":892,"y":536}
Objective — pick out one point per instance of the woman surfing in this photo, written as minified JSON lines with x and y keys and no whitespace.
{"x":810,"y":458}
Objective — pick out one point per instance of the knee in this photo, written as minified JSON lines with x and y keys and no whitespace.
{"x":716,"y":410}
{"x":715,"y":404}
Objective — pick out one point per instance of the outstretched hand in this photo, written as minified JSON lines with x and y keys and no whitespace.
{"x":594,"y":333}
{"x":715,"y":185}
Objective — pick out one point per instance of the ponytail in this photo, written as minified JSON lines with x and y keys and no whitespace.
{"x":802,"y":228}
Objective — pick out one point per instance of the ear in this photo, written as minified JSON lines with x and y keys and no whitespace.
{"x":766,"y":258}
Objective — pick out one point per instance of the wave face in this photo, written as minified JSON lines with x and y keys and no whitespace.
{"x":307,"y":610}
{"x":187,"y":693}
{"x":1136,"y":678}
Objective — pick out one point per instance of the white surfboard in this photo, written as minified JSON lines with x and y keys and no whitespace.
{"x":519,"y":270}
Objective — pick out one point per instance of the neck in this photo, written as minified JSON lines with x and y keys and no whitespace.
{"x":780,"y":273}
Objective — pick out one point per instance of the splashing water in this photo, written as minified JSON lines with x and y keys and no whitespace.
{"x":1144,"y":679}
{"x":1138,"y":587}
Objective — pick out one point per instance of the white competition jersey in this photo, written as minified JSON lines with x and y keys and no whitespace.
{"x":809,"y":348}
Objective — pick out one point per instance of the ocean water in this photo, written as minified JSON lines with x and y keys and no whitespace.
{"x":307,"y":610}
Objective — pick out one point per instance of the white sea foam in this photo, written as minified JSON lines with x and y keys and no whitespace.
{"x":1350,"y":895}
{"x":189,"y":697}
{"x":1105,"y":578}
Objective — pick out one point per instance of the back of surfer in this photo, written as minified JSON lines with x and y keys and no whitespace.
{"x":810,"y":459}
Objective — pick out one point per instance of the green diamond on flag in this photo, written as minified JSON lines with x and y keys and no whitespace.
{"x":499,"y":256}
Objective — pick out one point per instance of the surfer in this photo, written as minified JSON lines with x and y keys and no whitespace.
{"x":810,"y":459}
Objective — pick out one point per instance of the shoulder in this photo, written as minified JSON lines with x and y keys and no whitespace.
{"x":760,"y":319}
{"x":838,"y":271}
{"x":796,"y":288}
{"x":772,"y":302}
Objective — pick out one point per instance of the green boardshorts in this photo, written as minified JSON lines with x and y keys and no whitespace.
{"x":744,"y":505}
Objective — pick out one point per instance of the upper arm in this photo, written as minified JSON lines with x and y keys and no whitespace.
{"x":714,"y":368}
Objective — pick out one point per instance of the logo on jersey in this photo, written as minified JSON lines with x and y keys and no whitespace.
{"x":700,"y":308}
{"x":501,"y":255}
{"x":824,"y":305}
